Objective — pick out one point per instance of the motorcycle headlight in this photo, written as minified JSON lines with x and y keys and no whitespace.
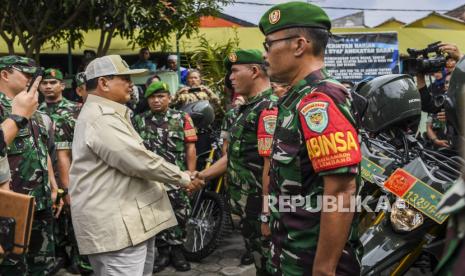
{"x":405,"y":218}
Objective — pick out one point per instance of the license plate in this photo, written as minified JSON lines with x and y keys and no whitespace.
{"x":370,"y":168}
{"x":416,"y":193}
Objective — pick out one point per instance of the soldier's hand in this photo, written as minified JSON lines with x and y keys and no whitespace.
{"x":25,"y":103}
{"x":442,"y":116}
{"x":265,"y":229}
{"x":56,"y":207}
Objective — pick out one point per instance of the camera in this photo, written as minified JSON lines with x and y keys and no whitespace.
{"x":420,"y":61}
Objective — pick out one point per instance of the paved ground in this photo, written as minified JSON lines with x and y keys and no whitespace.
{"x":225,"y":261}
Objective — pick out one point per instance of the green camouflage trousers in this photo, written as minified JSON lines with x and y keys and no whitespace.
{"x":255,"y":243}
{"x":66,"y":244}
{"x":40,"y":259}
{"x":176,"y":235}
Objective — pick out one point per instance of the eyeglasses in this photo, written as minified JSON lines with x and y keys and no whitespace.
{"x":267,"y":44}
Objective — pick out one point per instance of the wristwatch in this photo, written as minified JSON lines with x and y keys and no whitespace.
{"x":20,"y":121}
{"x":264,"y":218}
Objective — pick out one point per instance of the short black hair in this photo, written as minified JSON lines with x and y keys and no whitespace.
{"x":144,"y":49}
{"x":93,"y":83}
{"x":318,"y":38}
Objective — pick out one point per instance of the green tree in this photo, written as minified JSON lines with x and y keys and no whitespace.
{"x":145,"y":23}
{"x":34,"y":22}
{"x":209,"y":57}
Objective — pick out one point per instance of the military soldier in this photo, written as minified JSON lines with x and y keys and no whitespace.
{"x":30,"y":166}
{"x":24,"y":105}
{"x":170,"y":134}
{"x":315,"y":148}
{"x":63,"y":113}
{"x":249,"y":148}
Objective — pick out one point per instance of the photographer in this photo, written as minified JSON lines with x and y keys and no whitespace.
{"x":428,"y":103}
{"x":436,"y":127}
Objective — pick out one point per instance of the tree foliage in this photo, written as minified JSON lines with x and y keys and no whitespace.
{"x":209,"y":57}
{"x":34,"y":22}
{"x":145,"y":23}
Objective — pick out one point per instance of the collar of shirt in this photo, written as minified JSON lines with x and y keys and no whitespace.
{"x":293,"y":92}
{"x":120,"y":109}
{"x":259,"y":96}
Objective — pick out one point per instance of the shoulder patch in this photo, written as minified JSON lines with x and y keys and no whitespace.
{"x":316,"y":115}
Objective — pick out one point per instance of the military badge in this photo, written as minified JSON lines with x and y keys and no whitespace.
{"x":269,"y":122}
{"x":274,"y":16}
{"x":316,"y":116}
{"x":232,"y":57}
{"x":53,"y":73}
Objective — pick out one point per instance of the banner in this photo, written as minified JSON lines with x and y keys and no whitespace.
{"x":355,"y":57}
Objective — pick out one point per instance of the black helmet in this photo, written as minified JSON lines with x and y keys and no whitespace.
{"x":391,"y":100}
{"x":454,"y":101}
{"x":201,"y":112}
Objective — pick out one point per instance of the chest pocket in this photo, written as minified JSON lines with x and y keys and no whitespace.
{"x":21,"y":143}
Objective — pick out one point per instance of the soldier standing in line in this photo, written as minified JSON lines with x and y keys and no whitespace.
{"x":170,"y":134}
{"x":63,"y":113}
{"x":247,"y":161}
{"x":315,"y":148}
{"x":30,"y":167}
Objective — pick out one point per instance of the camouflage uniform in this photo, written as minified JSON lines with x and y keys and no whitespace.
{"x":229,"y":118}
{"x":250,"y":141}
{"x":64,"y":114}
{"x":27,"y":156}
{"x":166,"y":135}
{"x":315,"y":107}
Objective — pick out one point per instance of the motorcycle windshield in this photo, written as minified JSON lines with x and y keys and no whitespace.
{"x":376,"y":164}
{"x":428,"y":174}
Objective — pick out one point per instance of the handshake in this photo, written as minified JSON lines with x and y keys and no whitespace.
{"x":197,"y":181}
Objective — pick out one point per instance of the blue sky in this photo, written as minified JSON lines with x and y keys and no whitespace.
{"x":253,"y":13}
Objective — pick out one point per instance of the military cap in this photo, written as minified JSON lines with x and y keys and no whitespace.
{"x":294,"y":15}
{"x":157,"y":87}
{"x":22,"y":64}
{"x":52,"y":73}
{"x":249,"y":56}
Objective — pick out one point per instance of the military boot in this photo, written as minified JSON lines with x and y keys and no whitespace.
{"x":247,"y":258}
{"x":178,"y":260}
{"x":162,"y":260}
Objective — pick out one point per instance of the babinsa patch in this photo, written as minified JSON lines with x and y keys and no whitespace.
{"x":316,"y":116}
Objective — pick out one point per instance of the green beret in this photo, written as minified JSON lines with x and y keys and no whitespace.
{"x":294,"y":15}
{"x":249,"y":56}
{"x":52,"y":73}
{"x":157,"y":87}
{"x":23,"y":64}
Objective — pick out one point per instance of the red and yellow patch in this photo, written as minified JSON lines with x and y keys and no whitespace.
{"x":265,"y":131}
{"x":190,"y":135}
{"x":331,"y":139}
